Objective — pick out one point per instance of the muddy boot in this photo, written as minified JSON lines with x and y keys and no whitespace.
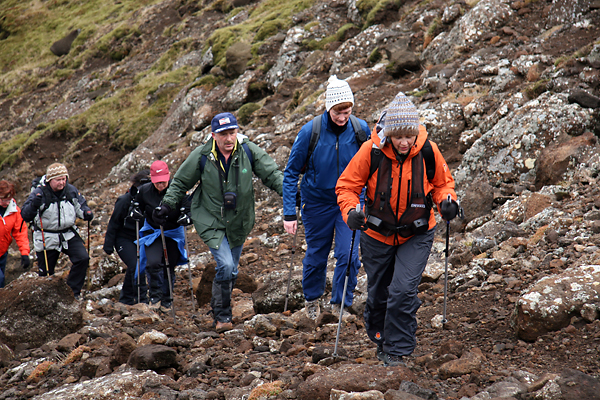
{"x":221,"y":301}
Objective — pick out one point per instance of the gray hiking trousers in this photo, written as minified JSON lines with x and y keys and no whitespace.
{"x":394,"y":273}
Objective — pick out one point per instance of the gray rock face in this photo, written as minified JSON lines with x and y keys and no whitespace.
{"x":508,"y":152}
{"x":486,"y":16}
{"x":551,"y":302}
{"x":43,"y":307}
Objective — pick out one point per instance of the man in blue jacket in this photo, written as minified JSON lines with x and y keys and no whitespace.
{"x":321,"y":151}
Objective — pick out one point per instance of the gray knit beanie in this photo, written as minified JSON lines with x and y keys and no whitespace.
{"x":401,"y":114}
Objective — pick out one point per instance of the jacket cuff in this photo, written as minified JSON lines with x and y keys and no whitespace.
{"x":290,"y":218}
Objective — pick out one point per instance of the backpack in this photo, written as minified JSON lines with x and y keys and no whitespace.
{"x":359,"y":134}
{"x":37,"y":182}
{"x":203,"y":158}
{"x":426,"y":151}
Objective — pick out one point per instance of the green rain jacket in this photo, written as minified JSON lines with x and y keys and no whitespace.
{"x":211,"y":220}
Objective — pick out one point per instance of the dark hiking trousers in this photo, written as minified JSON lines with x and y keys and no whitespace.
{"x":127,"y":251}
{"x":157,"y":271}
{"x":394,"y":273}
{"x":79,"y":257}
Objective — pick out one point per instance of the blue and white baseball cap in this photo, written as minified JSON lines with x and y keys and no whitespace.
{"x":223,"y":121}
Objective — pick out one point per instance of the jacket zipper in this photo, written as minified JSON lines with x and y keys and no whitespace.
{"x":337,"y":151}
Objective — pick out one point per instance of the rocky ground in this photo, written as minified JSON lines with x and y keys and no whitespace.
{"x":506,"y":88}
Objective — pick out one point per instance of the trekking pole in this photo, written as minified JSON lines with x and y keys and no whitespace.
{"x":339,"y":328}
{"x":444,"y":320}
{"x":43,"y":243}
{"x":188,"y":263}
{"x":88,"y":237}
{"x":164,"y":243}
{"x":137,"y":264}
{"x":287,"y":292}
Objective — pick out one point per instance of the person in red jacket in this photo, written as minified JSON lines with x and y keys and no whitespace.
{"x":408,"y":176}
{"x":12,"y":227}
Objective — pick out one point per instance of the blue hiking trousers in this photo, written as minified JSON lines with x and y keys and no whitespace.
{"x":321,"y":223}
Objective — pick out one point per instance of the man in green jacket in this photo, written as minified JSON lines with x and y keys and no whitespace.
{"x":223,"y":204}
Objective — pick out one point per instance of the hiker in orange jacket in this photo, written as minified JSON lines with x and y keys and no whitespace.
{"x":405,"y":174}
{"x":12,"y":226}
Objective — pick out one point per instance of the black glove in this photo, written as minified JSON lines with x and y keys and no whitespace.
{"x":184,"y":219}
{"x":161,"y":213}
{"x":449,"y":209}
{"x":135,"y":212}
{"x":108,"y":250}
{"x":356,"y":220}
{"x":37,"y":201}
{"x":88,"y":215}
{"x":25,"y":262}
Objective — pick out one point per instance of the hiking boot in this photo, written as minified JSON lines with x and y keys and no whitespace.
{"x":312,"y":309}
{"x":165,"y":306}
{"x":380,"y":352}
{"x":335,"y":310}
{"x":155,"y":306}
{"x":392,"y":360}
{"x":223,"y":326}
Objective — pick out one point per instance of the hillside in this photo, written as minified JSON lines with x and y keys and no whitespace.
{"x":508,"y":89}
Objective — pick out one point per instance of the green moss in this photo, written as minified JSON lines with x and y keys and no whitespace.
{"x":431,"y":30}
{"x":314,"y":44}
{"x":34,"y":25}
{"x":246,"y":111}
{"x":417,"y":93}
{"x":375,"y":56}
{"x":11,"y":149}
{"x":267,"y":18}
{"x":534,"y":90}
{"x":207,"y":81}
{"x":369,"y":9}
{"x":308,"y":26}
{"x":176,"y":50}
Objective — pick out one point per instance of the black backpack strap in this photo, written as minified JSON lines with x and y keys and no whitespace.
{"x":248,"y":153}
{"x":429,"y":157}
{"x":376,"y":157}
{"x":359,"y":133}
{"x":202,"y":163}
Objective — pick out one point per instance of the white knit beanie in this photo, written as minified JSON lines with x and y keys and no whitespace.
{"x":337,"y":92}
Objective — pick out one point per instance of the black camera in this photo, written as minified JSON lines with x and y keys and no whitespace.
{"x":420,"y":226}
{"x":229,"y":200}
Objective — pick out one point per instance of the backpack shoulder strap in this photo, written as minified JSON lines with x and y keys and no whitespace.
{"x":376,"y":157}
{"x":314,"y":136}
{"x":202,"y":163}
{"x":359,"y":133}
{"x":246,"y":148}
{"x":248,"y":153}
{"x":429,"y":157}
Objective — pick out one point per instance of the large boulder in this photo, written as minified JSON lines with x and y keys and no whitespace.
{"x":550,"y":303}
{"x":38,"y":310}
{"x":352,"y":378}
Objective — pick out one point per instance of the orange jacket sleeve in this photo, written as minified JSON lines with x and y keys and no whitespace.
{"x":442,"y":183}
{"x":353,"y":179}
{"x":19,"y":232}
